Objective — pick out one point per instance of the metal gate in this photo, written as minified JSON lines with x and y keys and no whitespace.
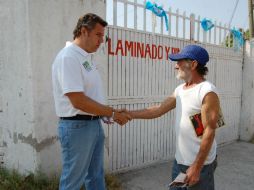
{"x":140,"y":75}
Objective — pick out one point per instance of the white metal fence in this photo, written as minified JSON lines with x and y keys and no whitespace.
{"x":133,"y":15}
{"x":139,"y":75}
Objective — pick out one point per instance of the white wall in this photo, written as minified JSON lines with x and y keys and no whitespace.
{"x":17,"y":116}
{"x":32,"y":33}
{"x":247,"y":112}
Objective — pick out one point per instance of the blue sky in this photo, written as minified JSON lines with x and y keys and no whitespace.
{"x":219,"y":10}
{"x":216,"y":10}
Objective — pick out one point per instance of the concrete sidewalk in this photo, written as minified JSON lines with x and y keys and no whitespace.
{"x":235,"y":171}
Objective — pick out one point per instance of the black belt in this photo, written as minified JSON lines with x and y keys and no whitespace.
{"x":81,"y":117}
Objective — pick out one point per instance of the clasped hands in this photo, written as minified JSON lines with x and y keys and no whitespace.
{"x":121,"y":116}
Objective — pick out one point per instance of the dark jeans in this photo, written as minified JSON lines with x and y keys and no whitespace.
{"x":206,"y":181}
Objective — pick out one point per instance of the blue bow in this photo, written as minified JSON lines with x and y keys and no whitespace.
{"x":238,"y":38}
{"x":158,"y":11}
{"x":207,"y":24}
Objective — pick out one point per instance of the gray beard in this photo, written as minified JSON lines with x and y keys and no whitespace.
{"x":178,"y":76}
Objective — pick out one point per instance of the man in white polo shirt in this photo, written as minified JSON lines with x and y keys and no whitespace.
{"x":197,"y":112}
{"x":79,"y":104}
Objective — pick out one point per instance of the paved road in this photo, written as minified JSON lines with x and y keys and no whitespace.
{"x":235,"y":171}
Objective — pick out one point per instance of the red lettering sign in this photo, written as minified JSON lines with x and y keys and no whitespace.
{"x":119,"y":47}
{"x":110,"y":52}
{"x":167,"y":51}
{"x":128,"y":47}
{"x":139,"y":49}
{"x":160,"y":52}
{"x":148,"y":51}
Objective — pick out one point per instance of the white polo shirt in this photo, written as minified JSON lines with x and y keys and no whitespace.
{"x":74,"y":70}
{"x":188,"y":103}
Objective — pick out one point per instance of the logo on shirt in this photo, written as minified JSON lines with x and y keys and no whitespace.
{"x":87,"y":66}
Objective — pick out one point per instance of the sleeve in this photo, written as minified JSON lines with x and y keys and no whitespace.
{"x":205,"y":89}
{"x":70,"y":75}
{"x":176,"y":91}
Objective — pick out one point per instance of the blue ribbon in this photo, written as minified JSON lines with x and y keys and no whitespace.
{"x":238,"y":37}
{"x":158,"y":11}
{"x":207,"y":24}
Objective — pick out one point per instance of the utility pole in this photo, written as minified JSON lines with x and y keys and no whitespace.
{"x":251,"y":22}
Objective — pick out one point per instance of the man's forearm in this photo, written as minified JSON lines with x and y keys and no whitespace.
{"x":205,"y":147}
{"x":148,"y":113}
{"x":90,"y":106}
{"x":86,"y":104}
{"x":96,"y":108}
{"x":209,"y":113}
{"x":155,"y":111}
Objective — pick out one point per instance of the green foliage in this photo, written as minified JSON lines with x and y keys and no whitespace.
{"x":12,"y":180}
{"x":229,"y":38}
{"x":247,"y":34}
{"x":252,"y":139}
{"x":112,"y":183}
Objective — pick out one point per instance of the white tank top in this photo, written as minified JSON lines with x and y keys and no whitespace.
{"x":188,"y":103}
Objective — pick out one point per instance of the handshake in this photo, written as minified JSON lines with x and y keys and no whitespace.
{"x":120,"y":116}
